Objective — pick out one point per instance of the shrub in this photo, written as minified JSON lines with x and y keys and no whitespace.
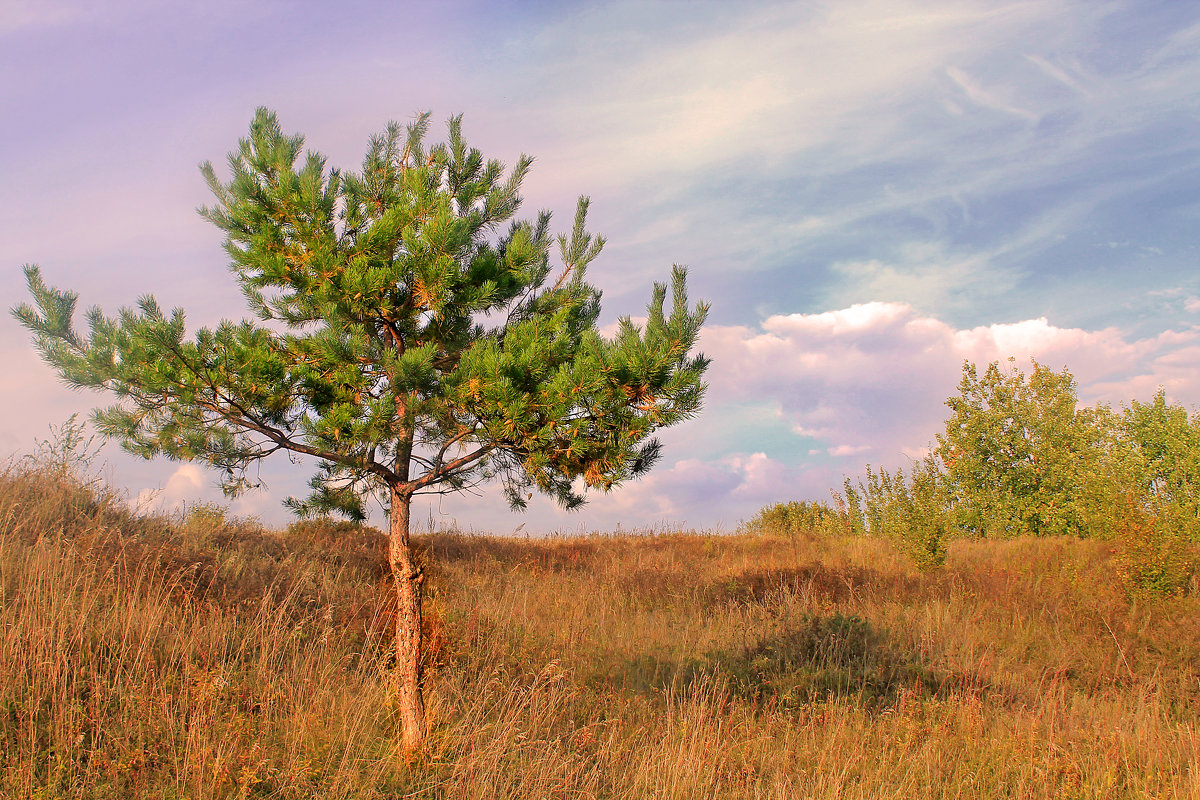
{"x":818,"y":656}
{"x":912,"y":511}
{"x":926,"y":527}
{"x":206,"y":517}
{"x":1155,"y":553}
{"x":799,"y":517}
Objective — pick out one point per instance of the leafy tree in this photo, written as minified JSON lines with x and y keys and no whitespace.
{"x":1157,"y":514}
{"x":1167,"y":440}
{"x":402,"y":339}
{"x":1018,"y":453}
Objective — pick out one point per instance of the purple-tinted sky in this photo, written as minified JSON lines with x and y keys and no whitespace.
{"x":867,"y":192}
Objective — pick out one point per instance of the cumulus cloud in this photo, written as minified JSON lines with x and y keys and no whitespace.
{"x":846,"y":450}
{"x":191,"y":483}
{"x":868,"y":380}
{"x":856,"y":385}
{"x":696,"y":492}
{"x":186,"y":485}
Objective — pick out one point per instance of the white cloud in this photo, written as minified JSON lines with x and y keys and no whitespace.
{"x":848,"y":450}
{"x":191,"y":483}
{"x":869,"y":380}
{"x":856,"y":385}
{"x":185,"y":483}
{"x":188,"y":484}
{"x":1058,"y":73}
{"x":988,"y":99}
{"x":695,"y":491}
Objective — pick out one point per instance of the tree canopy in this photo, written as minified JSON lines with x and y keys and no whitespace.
{"x":401,"y":337}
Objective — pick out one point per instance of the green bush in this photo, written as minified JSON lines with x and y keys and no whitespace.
{"x":206,"y":517}
{"x":800,"y":517}
{"x":911,"y":511}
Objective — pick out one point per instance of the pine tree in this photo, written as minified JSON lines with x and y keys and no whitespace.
{"x":404,"y":337}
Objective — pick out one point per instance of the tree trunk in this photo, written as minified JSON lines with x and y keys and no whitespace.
{"x":408,"y":579}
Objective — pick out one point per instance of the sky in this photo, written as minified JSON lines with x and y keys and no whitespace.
{"x":869,"y":193}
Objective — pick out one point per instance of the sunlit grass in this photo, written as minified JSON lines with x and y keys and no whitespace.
{"x":207,"y":658}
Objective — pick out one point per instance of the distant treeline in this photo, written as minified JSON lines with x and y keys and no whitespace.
{"x":1018,"y":457}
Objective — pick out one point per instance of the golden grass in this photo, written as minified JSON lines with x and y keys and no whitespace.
{"x":202,"y":658}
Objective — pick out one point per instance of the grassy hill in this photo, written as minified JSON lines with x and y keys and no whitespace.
{"x":142,"y":656}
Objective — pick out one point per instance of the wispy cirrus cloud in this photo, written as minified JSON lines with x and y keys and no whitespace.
{"x":1000,"y":135}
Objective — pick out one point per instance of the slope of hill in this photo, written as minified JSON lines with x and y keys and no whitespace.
{"x":203,"y":657}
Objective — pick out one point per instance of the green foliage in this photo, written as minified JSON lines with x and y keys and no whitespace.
{"x":850,"y":503}
{"x":1018,"y":452}
{"x":1166,"y":442}
{"x":408,"y":333}
{"x":912,"y":511}
{"x":927,"y":525}
{"x":1155,"y":521}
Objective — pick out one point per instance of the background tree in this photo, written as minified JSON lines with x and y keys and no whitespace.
{"x":1019,"y":457}
{"x":1167,"y":441}
{"x":1018,"y":453}
{"x":1157,"y":524}
{"x":401,"y":339}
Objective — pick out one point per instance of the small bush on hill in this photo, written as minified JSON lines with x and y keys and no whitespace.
{"x":820,"y":656}
{"x":799,"y":517}
{"x":909,"y":510}
{"x":1155,"y":554}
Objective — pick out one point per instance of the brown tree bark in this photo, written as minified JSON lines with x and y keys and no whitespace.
{"x":408,"y":578}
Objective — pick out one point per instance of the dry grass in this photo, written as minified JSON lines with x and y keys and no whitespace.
{"x":155,"y":658}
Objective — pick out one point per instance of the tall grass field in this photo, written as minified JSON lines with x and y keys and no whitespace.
{"x":203,"y":657}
